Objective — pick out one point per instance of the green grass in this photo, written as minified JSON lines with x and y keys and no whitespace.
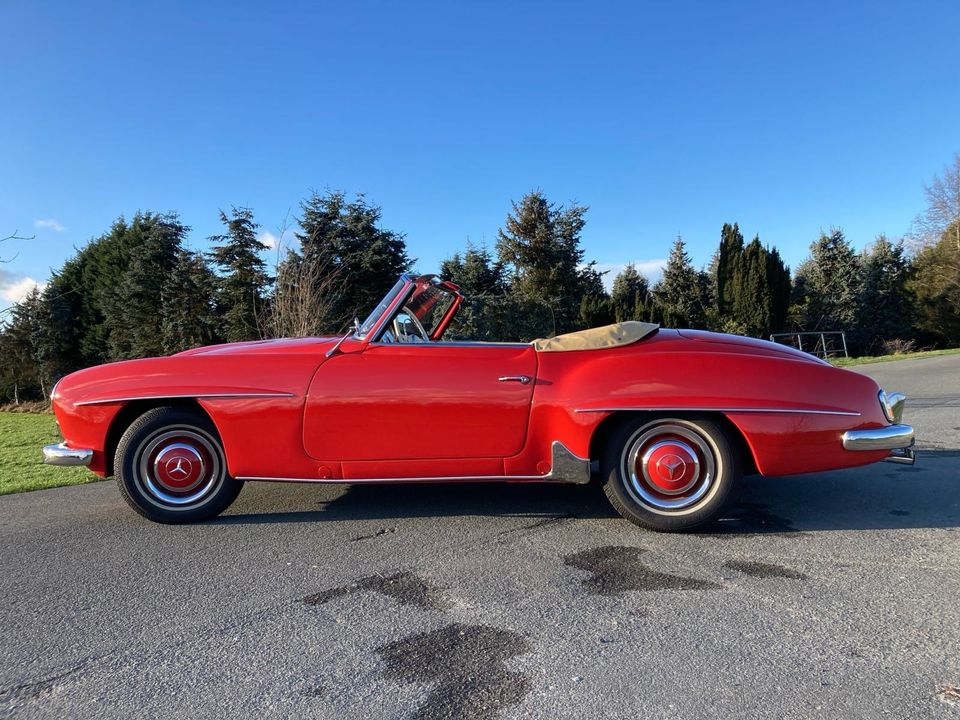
{"x":847,"y":362}
{"x":22,"y":435}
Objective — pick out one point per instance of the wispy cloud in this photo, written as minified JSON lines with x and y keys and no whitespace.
{"x":651,"y":269}
{"x":271,"y":241}
{"x":49,"y":224}
{"x":15,"y":288}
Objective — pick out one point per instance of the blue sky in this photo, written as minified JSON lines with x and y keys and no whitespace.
{"x":664,"y":118}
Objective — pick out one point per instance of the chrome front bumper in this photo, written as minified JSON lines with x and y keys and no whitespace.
{"x":60,"y":454}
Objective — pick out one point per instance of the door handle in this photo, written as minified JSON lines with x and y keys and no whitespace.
{"x":522,"y":379}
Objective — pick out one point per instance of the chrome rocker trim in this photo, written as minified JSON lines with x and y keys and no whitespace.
{"x":566,"y":468}
{"x":60,"y":454}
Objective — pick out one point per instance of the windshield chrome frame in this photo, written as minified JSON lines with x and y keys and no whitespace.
{"x":409,"y":282}
{"x":376,"y":330}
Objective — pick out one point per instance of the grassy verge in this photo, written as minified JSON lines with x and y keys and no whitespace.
{"x":847,"y":362}
{"x":21,"y":468}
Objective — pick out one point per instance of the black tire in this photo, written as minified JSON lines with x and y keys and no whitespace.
{"x":171,"y":468}
{"x":646,"y":484}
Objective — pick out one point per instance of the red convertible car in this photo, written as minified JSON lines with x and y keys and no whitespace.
{"x":668,"y":420}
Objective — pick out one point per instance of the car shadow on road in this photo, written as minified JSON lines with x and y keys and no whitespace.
{"x":285,"y":503}
{"x":877,"y":497}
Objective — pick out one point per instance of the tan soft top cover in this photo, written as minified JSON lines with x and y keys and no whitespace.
{"x":597,"y":338}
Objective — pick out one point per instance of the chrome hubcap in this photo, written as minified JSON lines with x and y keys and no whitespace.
{"x":668,"y":466}
{"x":179,"y":466}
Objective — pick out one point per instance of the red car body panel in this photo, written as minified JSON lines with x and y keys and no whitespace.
{"x":369,"y":411}
{"x":383,"y":403}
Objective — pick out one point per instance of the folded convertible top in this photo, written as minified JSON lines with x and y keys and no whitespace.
{"x":597,"y":338}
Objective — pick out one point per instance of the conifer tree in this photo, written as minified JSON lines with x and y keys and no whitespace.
{"x":679,"y":293}
{"x":81,"y":308}
{"x":189,"y":304}
{"x":540,"y":245}
{"x":475,"y":271}
{"x":887,"y":311}
{"x":345,"y":236}
{"x":727,"y":266}
{"x":830,"y":290}
{"x":243,"y":278}
{"x":630,"y":291}
{"x":132,"y":307}
{"x":21,"y":375}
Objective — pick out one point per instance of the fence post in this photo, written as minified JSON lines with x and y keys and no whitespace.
{"x":843,"y":336}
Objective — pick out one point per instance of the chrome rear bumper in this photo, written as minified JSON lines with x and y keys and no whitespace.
{"x":891,"y":437}
{"x":60,"y":454}
{"x":896,"y":438}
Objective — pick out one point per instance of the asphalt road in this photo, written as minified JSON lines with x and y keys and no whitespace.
{"x":830,"y":595}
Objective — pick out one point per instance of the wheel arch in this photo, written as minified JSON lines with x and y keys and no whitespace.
{"x":612,"y":422}
{"x":134,"y":409}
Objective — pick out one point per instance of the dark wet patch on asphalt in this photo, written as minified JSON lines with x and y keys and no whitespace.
{"x":315,"y":691}
{"x":464,"y":667}
{"x":763,"y":570}
{"x":616,"y":569}
{"x":404,"y":587}
{"x":750,"y":519}
{"x":379,"y":533}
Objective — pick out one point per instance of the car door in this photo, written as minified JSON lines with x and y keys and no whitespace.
{"x":396,"y":401}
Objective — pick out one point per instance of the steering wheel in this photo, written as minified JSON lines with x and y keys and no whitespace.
{"x":401,"y":332}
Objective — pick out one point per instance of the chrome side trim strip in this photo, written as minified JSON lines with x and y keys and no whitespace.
{"x":164,"y":396}
{"x":787,"y":411}
{"x":891,"y":437}
{"x":62,"y":455}
{"x":566,"y":468}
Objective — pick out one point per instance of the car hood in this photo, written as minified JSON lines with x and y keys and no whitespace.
{"x":738,"y":343}
{"x":264,"y":347}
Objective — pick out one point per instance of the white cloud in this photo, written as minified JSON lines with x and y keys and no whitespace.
{"x":49,"y":224}
{"x":651,"y":269}
{"x":270,"y":240}
{"x":14,"y":289}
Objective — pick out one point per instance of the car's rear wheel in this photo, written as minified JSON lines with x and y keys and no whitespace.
{"x":669,"y":473}
{"x":171,"y":467}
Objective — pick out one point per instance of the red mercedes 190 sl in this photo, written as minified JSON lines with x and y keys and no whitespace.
{"x":668,"y":419}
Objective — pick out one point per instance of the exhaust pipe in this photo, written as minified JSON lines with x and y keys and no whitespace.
{"x":903,"y":456}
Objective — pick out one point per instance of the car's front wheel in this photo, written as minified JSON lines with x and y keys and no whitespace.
{"x":171,"y":468}
{"x":668,"y":473}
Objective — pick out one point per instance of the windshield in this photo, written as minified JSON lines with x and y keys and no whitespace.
{"x":429,"y":304}
{"x":380,"y":309}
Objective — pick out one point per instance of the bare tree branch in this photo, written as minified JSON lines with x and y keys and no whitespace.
{"x":305,"y":297}
{"x":14,"y":236}
{"x":942,"y":215}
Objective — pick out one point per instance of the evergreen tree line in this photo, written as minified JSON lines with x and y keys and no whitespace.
{"x":138,"y":290}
